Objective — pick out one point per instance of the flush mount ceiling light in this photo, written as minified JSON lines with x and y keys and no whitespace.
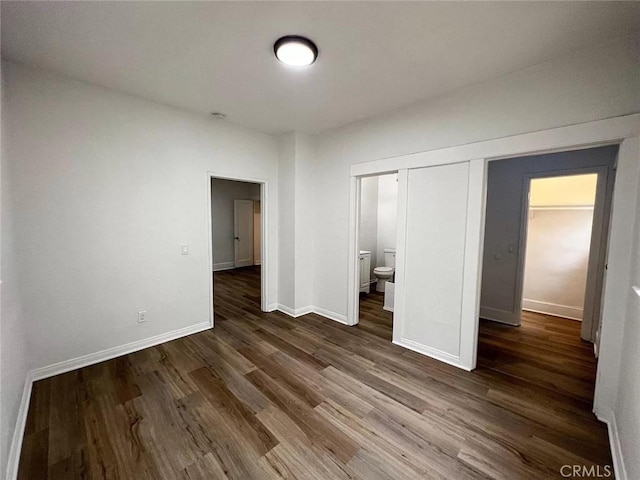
{"x":295,"y":51}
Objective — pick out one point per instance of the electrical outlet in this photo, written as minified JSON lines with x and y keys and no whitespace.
{"x":142,"y":316}
{"x":184,"y":249}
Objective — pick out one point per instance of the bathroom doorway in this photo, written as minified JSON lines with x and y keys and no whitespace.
{"x":237,"y":246}
{"x":377,"y":227}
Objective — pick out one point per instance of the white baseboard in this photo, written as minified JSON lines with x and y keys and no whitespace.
{"x":109,"y":353}
{"x":295,"y":313}
{"x":329,"y":314}
{"x":223,"y":266}
{"x":607,"y":416}
{"x":500,"y":316}
{"x":312,"y":309}
{"x":74,"y":364}
{"x":272,"y":307}
{"x":431,"y":352}
{"x":18,"y":434}
{"x":553,"y":309}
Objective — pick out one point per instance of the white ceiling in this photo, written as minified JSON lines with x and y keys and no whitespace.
{"x":374,"y":56}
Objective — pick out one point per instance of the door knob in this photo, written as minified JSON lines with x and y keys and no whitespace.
{"x":236,"y":238}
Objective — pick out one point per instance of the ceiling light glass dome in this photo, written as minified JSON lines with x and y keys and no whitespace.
{"x":295,"y":51}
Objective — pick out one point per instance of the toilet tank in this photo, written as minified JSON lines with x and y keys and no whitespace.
{"x":390,"y":257}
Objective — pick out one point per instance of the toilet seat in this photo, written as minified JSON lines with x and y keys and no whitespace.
{"x":383,"y":270}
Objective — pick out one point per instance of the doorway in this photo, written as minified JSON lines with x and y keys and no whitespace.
{"x":559,"y":230}
{"x":507,"y":207}
{"x":237,"y":246}
{"x":545,"y":248}
{"x":377,"y":227}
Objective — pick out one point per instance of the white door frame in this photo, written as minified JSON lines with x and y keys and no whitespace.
{"x":623,"y":131}
{"x":264,"y":217}
{"x":353,"y":294}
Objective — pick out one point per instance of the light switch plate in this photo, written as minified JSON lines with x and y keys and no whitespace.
{"x":184,"y":249}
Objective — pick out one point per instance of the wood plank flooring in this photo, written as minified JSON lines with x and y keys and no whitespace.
{"x":266,"y":396}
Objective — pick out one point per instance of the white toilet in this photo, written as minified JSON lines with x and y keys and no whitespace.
{"x":385,"y":274}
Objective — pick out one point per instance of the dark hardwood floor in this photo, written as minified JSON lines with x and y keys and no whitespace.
{"x":267,"y":396}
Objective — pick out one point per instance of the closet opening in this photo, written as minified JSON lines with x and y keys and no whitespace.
{"x":545,"y":247}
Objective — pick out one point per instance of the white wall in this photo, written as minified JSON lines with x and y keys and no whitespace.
{"x":556,"y":260}
{"x":387,"y":215}
{"x":295,"y":239}
{"x":588,"y":85}
{"x":627,"y":404}
{"x":13,"y":352}
{"x":305,"y":246}
{"x":369,"y":218}
{"x":105,"y":189}
{"x":223,"y":193}
{"x":286,"y":220}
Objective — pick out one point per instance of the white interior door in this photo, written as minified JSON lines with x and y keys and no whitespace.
{"x":243,"y":232}
{"x":438,"y":261}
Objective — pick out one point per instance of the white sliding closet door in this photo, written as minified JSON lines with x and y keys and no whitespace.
{"x":439,"y":238}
